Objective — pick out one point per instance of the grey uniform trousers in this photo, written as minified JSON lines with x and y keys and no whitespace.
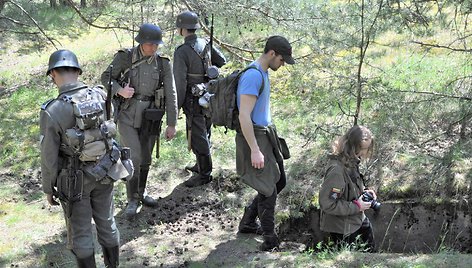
{"x":141,"y":155}
{"x":96,"y":203}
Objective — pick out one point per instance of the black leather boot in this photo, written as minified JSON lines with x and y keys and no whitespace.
{"x":248,"y":222}
{"x":193,"y":168}
{"x":271,"y":242}
{"x":88,"y":262}
{"x":204,"y":175}
{"x":132,"y":208}
{"x":266,"y":210}
{"x":146,"y":199}
{"x":111,"y":256}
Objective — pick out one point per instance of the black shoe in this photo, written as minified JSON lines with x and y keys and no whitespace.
{"x":193,"y":168}
{"x":271,"y":242}
{"x":197,"y":180}
{"x":149,"y":201}
{"x":132,"y":208}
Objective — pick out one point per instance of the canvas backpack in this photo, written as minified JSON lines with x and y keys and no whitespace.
{"x":223,"y":104}
{"x":92,"y":136}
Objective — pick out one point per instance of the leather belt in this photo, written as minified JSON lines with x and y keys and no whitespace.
{"x":143,"y":97}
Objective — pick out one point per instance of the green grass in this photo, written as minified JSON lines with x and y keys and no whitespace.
{"x":16,"y":218}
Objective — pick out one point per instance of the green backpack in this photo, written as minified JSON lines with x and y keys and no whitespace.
{"x":223,"y":104}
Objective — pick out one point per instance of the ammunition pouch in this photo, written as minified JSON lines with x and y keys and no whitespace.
{"x":152,"y":121}
{"x":159,"y":98}
{"x":100,"y":169}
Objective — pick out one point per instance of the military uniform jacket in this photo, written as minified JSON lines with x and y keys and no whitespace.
{"x":56,"y":116}
{"x":187,"y":61}
{"x":144,"y":79}
{"x":340,"y":187}
{"x":262,"y":180}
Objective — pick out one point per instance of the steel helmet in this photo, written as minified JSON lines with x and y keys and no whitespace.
{"x":63,"y":58}
{"x":149,"y":33}
{"x":187,"y":20}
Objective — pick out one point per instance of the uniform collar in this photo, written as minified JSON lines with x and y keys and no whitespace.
{"x":190,"y":38}
{"x":70,"y":87}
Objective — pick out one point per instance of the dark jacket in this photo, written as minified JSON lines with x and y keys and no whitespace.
{"x":262,"y":180}
{"x":187,"y":61}
{"x":342,"y":184}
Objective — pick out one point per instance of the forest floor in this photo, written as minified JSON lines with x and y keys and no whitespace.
{"x":190,"y":227}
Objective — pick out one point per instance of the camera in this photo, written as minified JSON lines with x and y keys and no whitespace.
{"x":212,"y":72}
{"x":200,"y":90}
{"x":367,"y":197}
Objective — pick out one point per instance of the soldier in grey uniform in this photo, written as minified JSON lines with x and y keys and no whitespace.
{"x":190,"y":69}
{"x":91,"y":198}
{"x":136,"y":76}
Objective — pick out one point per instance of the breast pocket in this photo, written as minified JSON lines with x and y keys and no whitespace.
{"x":155,"y":73}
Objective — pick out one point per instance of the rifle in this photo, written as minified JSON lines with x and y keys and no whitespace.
{"x":212,"y":71}
{"x":108,"y":100}
{"x":211,"y":36}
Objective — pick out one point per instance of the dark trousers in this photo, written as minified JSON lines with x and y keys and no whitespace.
{"x":362,"y":239}
{"x":200,"y":136}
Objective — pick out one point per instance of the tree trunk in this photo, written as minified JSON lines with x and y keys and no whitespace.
{"x":53,"y":3}
{"x":83,"y":3}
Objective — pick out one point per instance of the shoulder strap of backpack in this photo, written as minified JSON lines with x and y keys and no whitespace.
{"x":262,"y":76}
{"x":160,"y":66}
{"x":132,"y":64}
{"x":203,"y":56}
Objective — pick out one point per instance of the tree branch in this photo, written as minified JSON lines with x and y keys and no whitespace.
{"x":13,"y":21}
{"x":434,"y":94}
{"x":225,"y":46}
{"x":90,"y":22}
{"x":18,"y":32}
{"x":442,"y":47}
{"x":34,"y":21}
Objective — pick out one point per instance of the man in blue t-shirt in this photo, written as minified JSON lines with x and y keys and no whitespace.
{"x":258,"y":157}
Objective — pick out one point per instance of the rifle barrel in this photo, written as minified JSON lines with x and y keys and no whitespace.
{"x":108,"y":100}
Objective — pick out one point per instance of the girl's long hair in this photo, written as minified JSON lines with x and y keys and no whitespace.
{"x":349,"y":145}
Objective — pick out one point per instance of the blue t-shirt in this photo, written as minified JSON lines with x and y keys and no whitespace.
{"x":250,"y":83}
